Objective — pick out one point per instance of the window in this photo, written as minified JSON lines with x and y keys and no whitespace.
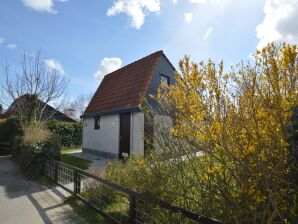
{"x":164,"y":79}
{"x":97,"y":122}
{"x":164,"y":83}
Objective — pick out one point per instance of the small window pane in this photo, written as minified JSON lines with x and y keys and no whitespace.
{"x":164,"y":79}
{"x":97,"y":123}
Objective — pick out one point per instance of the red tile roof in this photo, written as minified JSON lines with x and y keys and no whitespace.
{"x":125,"y":87}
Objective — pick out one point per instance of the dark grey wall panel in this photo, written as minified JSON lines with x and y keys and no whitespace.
{"x":164,"y":68}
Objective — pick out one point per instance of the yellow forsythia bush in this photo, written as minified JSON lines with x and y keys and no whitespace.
{"x":227,"y":154}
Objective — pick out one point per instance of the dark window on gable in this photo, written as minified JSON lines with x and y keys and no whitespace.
{"x":164,"y":82}
{"x":164,"y":79}
{"x":97,"y":122}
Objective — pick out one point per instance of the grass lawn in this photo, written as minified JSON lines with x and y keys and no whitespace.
{"x":117,"y":210}
{"x":69,"y":150}
{"x":73,"y":160}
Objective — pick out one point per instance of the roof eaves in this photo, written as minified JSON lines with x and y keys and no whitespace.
{"x":109,"y":112}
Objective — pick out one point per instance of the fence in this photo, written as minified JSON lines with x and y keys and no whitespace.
{"x":115,"y":202}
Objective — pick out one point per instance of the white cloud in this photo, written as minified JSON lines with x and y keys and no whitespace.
{"x":207,"y":33}
{"x":42,"y":5}
{"x":175,"y":1}
{"x":11,"y":46}
{"x":188,"y":17}
{"x":136,"y":9}
{"x":2,"y":39}
{"x":280,"y":22}
{"x":107,"y":65}
{"x":53,"y":64}
{"x":198,"y":1}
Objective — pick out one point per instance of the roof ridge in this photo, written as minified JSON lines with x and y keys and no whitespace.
{"x":156,"y":52}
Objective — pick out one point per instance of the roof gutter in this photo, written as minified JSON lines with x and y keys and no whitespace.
{"x":117,"y":111}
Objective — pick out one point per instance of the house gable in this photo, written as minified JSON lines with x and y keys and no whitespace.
{"x":123,"y":90}
{"x":164,"y":68}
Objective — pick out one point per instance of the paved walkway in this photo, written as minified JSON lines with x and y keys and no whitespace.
{"x":23,"y":201}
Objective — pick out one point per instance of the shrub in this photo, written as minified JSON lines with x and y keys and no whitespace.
{"x":34,"y":134}
{"x":32,"y":149}
{"x":111,"y":201}
{"x":9,"y":128}
{"x":139,"y":174}
{"x":293,"y":156}
{"x":238,"y":121}
{"x":293,"y":140}
{"x":70,"y":133}
{"x":153,"y":176}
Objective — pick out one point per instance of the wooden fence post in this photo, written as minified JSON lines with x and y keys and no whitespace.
{"x":132,"y":210}
{"x":76,"y":182}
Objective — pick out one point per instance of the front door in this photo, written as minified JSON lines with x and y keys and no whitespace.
{"x":124,"y":145}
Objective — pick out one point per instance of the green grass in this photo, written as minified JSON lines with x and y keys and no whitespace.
{"x":69,"y":150}
{"x":46,"y":181}
{"x":75,"y":161}
{"x":118,"y":210}
{"x":87,"y":213}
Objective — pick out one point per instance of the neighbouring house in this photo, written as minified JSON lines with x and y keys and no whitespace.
{"x":113,"y":120}
{"x":22,"y":106}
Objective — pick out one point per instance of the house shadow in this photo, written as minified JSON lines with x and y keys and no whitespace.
{"x":31,"y":197}
{"x":4,"y":152}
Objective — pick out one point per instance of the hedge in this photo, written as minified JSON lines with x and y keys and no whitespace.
{"x":9,"y":128}
{"x":31,"y":157}
{"x":70,"y":133}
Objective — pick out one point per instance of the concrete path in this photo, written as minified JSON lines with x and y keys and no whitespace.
{"x":24,"y":201}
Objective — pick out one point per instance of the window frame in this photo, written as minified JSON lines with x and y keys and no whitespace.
{"x":166,"y":77}
{"x":97,"y":123}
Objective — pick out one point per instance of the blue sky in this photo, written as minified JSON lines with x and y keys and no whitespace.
{"x":87,"y":39}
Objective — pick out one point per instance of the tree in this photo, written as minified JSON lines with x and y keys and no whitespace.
{"x":41,"y":84}
{"x":76,"y":108}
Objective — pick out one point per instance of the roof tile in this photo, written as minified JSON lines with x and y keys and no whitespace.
{"x":125,"y":87}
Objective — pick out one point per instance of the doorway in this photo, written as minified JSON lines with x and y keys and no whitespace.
{"x":124,"y":144}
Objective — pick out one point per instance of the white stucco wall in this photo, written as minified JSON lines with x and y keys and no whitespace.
{"x":137,"y":133}
{"x":105,"y":139}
